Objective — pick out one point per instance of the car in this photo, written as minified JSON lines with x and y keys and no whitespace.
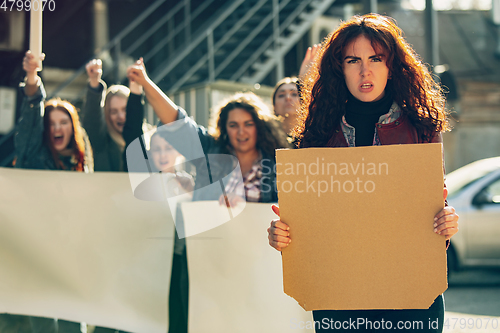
{"x":474,"y":191}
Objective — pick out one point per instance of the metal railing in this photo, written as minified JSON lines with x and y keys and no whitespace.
{"x":203,"y":38}
{"x":172,"y":63}
{"x":280,"y":24}
{"x":115,"y":46}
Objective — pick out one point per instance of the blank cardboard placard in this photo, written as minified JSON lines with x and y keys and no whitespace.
{"x":361,"y":224}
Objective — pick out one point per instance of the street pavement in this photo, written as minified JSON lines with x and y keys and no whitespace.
{"x":473,"y":302}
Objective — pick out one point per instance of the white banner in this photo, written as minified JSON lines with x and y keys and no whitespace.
{"x":235,"y":276}
{"x":81,"y":247}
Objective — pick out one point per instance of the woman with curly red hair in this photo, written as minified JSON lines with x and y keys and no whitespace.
{"x":369,"y":87}
{"x":327,"y":94}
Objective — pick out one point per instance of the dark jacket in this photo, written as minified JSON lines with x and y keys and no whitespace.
{"x":400,"y":131}
{"x":133,"y":123}
{"x":30,"y":148}
{"x":107,"y":153}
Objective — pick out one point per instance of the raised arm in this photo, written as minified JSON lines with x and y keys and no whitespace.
{"x":164,"y":108}
{"x":92,"y":110}
{"x":135,"y":114}
{"x":28,"y":140}
{"x":133,"y":123}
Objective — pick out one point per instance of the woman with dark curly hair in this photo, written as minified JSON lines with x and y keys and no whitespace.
{"x":369,"y":87}
{"x":269,"y":135}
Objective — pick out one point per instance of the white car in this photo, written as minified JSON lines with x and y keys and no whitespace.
{"x":474,"y":191}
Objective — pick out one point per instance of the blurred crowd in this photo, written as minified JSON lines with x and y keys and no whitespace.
{"x":54,"y":135}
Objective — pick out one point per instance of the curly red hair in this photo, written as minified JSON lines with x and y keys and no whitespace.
{"x":324,"y":91}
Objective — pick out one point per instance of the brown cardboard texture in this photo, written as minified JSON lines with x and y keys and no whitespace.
{"x":361,"y":223}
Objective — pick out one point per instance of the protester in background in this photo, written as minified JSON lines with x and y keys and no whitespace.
{"x":368,"y":87}
{"x":103,"y":117}
{"x":286,"y":94}
{"x":50,"y":138}
{"x":54,"y":141}
{"x":163,"y":155}
{"x":286,"y":102}
{"x":168,"y":161}
{"x":106,"y":125}
{"x":243,"y":127}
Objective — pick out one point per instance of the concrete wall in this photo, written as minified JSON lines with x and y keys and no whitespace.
{"x":476,"y":133}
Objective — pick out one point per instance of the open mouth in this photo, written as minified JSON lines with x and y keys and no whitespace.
{"x":242,"y":140}
{"x":120,"y":124}
{"x":366,"y":86}
{"x":58,"y":139}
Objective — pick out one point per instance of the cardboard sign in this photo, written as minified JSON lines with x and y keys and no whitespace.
{"x":235,"y":276}
{"x":361,"y":223}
